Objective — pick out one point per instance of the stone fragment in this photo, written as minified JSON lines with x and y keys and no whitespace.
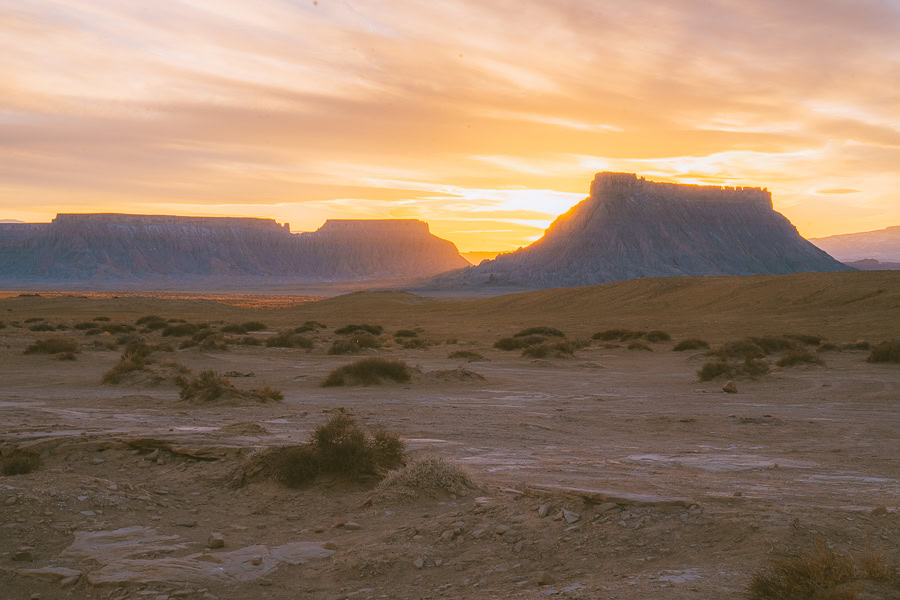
{"x":352,"y":525}
{"x":50,"y":573}
{"x":216,"y":540}
{"x":544,"y":578}
{"x":730,"y":387}
{"x":879,"y":510}
{"x":570,"y":517}
{"x":186,"y":523}
{"x":501,"y":529}
{"x":606,"y":507}
{"x":419,"y":562}
{"x":11,"y":500}
{"x":24,"y":554}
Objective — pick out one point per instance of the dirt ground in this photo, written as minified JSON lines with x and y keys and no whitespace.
{"x":671,"y":488}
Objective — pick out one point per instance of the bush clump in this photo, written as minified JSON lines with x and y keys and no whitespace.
{"x":354,"y":345}
{"x":208,"y":386}
{"x":288,"y":339}
{"x":53,"y":346}
{"x":247,"y":327}
{"x":136,"y":357}
{"x":415,"y":344}
{"x":43,"y":327}
{"x":517,"y":343}
{"x":885,"y":352}
{"x":268,"y":394}
{"x":556,"y":350}
{"x":751,"y":367}
{"x":368,"y":371}
{"x":547,"y":331}
{"x":608,"y":335}
{"x":19,"y":463}
{"x":341,"y":447}
{"x":429,"y":477}
{"x":821,"y":574}
{"x":348,"y":329}
{"x":406,"y":333}
{"x":799,"y":356}
{"x":180,"y":330}
{"x":690,"y":344}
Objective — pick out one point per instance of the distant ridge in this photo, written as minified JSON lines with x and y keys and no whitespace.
{"x":119,"y":247}
{"x":882,"y":245}
{"x":630,"y":227}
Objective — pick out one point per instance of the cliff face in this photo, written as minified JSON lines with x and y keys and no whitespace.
{"x":116,"y":247}
{"x":631,"y":227}
{"x":882,"y":245}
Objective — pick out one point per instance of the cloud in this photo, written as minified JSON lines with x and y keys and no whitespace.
{"x":445,"y":110}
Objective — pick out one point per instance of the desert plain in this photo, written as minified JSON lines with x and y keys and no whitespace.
{"x":613,"y":473}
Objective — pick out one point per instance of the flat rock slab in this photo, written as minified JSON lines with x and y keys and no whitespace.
{"x":604,"y":496}
{"x":119,"y":552}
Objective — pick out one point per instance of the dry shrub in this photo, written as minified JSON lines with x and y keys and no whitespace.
{"x":609,"y":335}
{"x":406,"y":333}
{"x":415,"y":344}
{"x":340,"y":447}
{"x":355,"y":344}
{"x":180,"y":330}
{"x":467,"y":355}
{"x":885,"y":352}
{"x":363,"y":327}
{"x":429,"y":477}
{"x":820,"y":574}
{"x":799,"y":356}
{"x":53,"y":346}
{"x":136,"y":357}
{"x":556,"y":350}
{"x":690,"y":344}
{"x":751,"y":367}
{"x":19,"y":463}
{"x":739,"y":349}
{"x":268,"y":394}
{"x":657,"y":336}
{"x":288,"y":339}
{"x":368,"y":371}
{"x":546,"y":331}
{"x":828,"y":347}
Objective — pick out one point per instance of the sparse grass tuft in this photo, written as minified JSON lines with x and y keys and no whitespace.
{"x":136,"y":357}
{"x":690,"y":344}
{"x":406,"y":333}
{"x":415,"y":344}
{"x":657,"y":336}
{"x":885,"y":352}
{"x":249,"y":340}
{"x":547,"y":331}
{"x":347,"y":329}
{"x":288,"y":339}
{"x":429,"y":477}
{"x":638,"y":345}
{"x":354,"y":345}
{"x":609,"y":335}
{"x":53,"y":346}
{"x":19,"y":463}
{"x":751,"y":367}
{"x":799,"y":356}
{"x":368,"y":371}
{"x":466,"y":355}
{"x":820,"y":574}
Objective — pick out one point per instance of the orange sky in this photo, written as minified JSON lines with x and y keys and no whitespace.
{"x":485,"y":118}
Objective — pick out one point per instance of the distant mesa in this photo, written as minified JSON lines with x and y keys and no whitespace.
{"x":118,"y":247}
{"x":882,"y":245}
{"x":870,"y":264}
{"x":630,"y":227}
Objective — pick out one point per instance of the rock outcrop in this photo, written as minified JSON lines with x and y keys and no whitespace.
{"x":882,"y":245}
{"x":97,"y":247}
{"x":630,"y":227}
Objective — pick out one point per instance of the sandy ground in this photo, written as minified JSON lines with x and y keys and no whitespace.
{"x":693,"y":489}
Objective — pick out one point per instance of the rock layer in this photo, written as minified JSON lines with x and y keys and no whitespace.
{"x":630,"y":227}
{"x":119,"y":247}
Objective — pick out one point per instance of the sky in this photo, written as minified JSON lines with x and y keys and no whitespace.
{"x":485,"y":118}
